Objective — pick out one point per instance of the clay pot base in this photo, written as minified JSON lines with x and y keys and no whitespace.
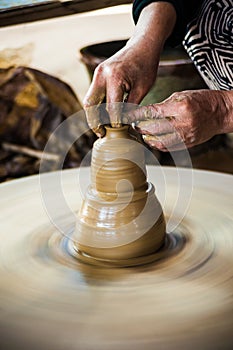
{"x":51,"y":300}
{"x":172,"y":245}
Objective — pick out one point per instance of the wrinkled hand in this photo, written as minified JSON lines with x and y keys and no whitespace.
{"x":132,"y":70}
{"x":185,"y":119}
{"x":123,"y":73}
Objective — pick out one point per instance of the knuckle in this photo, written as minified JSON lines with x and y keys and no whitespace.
{"x":177,"y":97}
{"x":150,"y":111}
{"x":181,"y":97}
{"x":100,"y":73}
{"x":86,"y":103}
{"x":99,"y":69}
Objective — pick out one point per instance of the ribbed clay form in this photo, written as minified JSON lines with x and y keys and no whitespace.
{"x":121,"y":219}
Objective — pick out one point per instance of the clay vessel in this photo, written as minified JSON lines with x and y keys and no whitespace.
{"x":120,"y":217}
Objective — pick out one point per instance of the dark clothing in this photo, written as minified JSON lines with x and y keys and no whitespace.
{"x":205,"y":28}
{"x":186,"y":10}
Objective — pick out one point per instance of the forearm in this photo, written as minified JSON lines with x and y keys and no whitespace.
{"x":185,"y":12}
{"x":155,"y":24}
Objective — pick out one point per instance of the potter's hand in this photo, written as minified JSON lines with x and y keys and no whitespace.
{"x":186,"y":118}
{"x":125,"y":72}
{"x":132,"y":70}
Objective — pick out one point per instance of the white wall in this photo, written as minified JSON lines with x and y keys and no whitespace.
{"x":53,"y":45}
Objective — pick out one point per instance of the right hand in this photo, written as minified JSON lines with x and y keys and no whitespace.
{"x":131,"y":71}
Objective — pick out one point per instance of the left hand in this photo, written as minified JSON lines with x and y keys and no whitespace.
{"x":185,"y":119}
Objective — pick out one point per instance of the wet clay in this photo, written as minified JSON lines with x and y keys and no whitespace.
{"x":120,"y":217}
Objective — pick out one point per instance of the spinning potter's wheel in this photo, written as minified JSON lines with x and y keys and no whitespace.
{"x":51,"y":300}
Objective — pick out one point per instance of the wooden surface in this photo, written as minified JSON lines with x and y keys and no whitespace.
{"x":49,"y":9}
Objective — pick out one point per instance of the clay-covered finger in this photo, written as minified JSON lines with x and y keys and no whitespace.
{"x":143,"y":113}
{"x":115,"y":97}
{"x":155,"y":126}
{"x":164,"y":142}
{"x":93,"y":120}
{"x":92,"y":100}
{"x":93,"y":113}
{"x":115,"y":111}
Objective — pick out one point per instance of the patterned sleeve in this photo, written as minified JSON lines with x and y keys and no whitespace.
{"x":186,"y":10}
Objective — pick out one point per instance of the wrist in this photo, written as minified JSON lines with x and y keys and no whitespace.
{"x":155,"y":24}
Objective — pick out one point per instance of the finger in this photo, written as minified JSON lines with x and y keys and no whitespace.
{"x":93,"y":120}
{"x":164,"y":142}
{"x":115,"y":97}
{"x":93,"y":98}
{"x":127,"y":108}
{"x":144,"y":113}
{"x":115,"y":111}
{"x":179,"y":147}
{"x":172,"y":106}
{"x":155,"y":126}
{"x":135,"y":95}
{"x":91,"y":108}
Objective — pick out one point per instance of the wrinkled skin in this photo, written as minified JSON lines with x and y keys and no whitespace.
{"x":132,"y":70}
{"x":185,"y":119}
{"x":122,"y":73}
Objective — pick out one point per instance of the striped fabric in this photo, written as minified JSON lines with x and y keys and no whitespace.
{"x":209,"y":43}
